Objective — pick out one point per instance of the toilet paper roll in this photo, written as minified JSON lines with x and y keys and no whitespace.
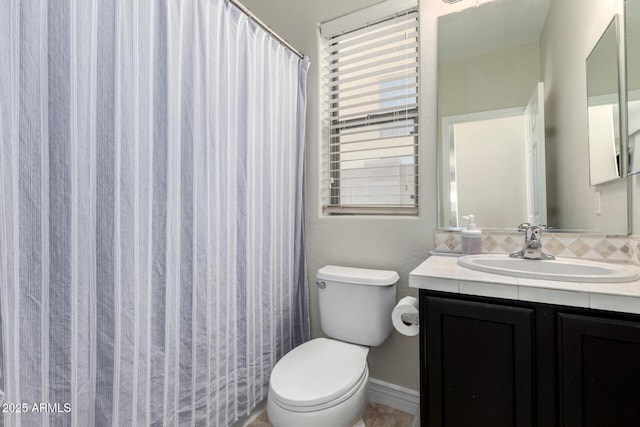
{"x":407,"y":307}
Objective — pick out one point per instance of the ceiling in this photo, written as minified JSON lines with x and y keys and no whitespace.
{"x":490,"y":26}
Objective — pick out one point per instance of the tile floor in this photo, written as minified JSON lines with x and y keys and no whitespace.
{"x":375,"y":415}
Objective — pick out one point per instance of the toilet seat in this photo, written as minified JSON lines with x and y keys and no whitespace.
{"x":318,"y":374}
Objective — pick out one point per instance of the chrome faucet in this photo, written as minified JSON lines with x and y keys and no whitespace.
{"x":532,"y":248}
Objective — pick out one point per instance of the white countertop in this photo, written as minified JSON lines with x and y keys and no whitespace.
{"x":442,"y":273}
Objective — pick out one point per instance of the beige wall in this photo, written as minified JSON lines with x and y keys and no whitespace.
{"x":399,"y":244}
{"x":496,"y":80}
{"x":570,"y":32}
{"x":402,"y":243}
{"x":633,"y":65}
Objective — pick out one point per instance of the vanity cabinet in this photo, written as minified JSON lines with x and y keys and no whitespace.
{"x":599,"y":365}
{"x":479,"y":362}
{"x":493,"y":362}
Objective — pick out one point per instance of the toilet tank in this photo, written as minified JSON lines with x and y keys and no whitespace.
{"x":356,"y":303}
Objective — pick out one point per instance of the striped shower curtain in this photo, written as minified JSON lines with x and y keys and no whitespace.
{"x":152,"y":267}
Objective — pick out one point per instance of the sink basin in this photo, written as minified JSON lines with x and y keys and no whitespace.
{"x":560,"y":269}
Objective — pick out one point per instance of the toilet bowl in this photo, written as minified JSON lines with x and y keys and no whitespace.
{"x":320,"y":383}
{"x":324,"y":382}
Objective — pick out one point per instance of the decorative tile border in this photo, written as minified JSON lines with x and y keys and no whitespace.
{"x":634,"y":248}
{"x":596,"y":247}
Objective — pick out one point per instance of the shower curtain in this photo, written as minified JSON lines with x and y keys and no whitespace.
{"x":152,"y":268}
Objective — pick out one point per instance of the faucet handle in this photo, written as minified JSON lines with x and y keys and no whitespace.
{"x":524,"y":226}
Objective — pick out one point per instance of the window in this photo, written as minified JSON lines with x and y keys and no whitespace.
{"x":370,"y":156}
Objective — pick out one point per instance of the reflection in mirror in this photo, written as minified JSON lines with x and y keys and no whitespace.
{"x":604,"y":108}
{"x":475,"y":142}
{"x":492,"y":154}
{"x":490,"y":59}
{"x":488,"y":142}
{"x":632,"y":27}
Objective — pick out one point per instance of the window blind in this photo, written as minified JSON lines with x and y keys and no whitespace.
{"x":370,"y":155}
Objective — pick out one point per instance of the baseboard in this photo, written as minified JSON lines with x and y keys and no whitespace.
{"x":397,"y":397}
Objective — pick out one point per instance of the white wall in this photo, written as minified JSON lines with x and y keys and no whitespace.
{"x":570,"y":32}
{"x":490,"y":168}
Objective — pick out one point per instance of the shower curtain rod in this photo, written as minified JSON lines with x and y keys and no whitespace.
{"x":264,"y":26}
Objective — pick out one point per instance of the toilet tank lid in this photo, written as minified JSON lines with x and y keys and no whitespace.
{"x":360,"y":276}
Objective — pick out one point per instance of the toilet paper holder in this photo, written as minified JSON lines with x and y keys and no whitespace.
{"x":410,"y":318}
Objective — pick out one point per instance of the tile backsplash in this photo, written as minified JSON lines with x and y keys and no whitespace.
{"x":591,"y":246}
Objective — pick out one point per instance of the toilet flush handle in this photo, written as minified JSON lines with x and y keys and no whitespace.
{"x":321,"y":284}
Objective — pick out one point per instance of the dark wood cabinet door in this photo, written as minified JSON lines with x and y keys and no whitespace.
{"x":599,"y":368}
{"x":479,"y":364}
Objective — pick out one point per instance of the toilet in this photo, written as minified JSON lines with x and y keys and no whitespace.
{"x":324,"y":382}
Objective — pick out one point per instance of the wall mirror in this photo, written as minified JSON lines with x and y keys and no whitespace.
{"x":603,"y":107}
{"x":512,"y":117}
{"x":632,"y":17}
